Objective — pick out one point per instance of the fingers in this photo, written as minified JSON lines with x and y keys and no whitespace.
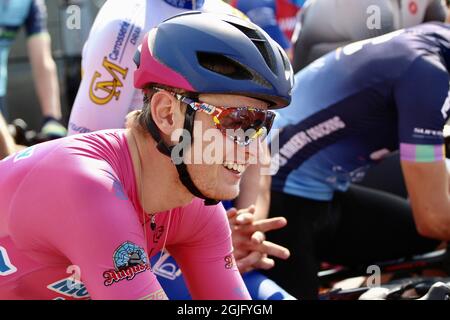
{"x":263,"y":225}
{"x":240,"y":254}
{"x":272,"y":249}
{"x":258,"y":243}
{"x":264,"y":263}
{"x":270,"y":224}
{"x":246,"y":264}
{"x":250,"y":209}
{"x":244,"y":218}
{"x":258,"y":238}
{"x":231,"y":213}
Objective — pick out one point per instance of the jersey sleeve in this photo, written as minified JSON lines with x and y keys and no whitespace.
{"x":91,"y":225}
{"x":36,"y":21}
{"x":206,"y":258}
{"x":423,"y":103}
{"x":106,"y":92}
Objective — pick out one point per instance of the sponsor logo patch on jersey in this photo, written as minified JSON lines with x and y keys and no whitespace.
{"x":70,"y":287}
{"x":445,"y":107}
{"x":6,"y":267}
{"x":166,"y":267}
{"x":102,"y":91}
{"x":229,"y":261}
{"x":24,"y":154}
{"x":129,"y":260}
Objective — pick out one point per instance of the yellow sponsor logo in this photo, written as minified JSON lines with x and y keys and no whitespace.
{"x":101,"y":92}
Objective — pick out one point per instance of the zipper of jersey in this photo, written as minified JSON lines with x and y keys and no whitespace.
{"x":152,"y":222}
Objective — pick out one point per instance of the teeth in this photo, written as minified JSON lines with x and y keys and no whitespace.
{"x":234,"y":166}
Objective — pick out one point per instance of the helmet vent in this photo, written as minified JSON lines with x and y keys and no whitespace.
{"x":137,"y":57}
{"x":223,"y":65}
{"x":286,"y":63}
{"x":260,"y":41}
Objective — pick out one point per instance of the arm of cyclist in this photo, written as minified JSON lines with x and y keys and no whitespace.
{"x":44,"y":74}
{"x":263,"y":200}
{"x":255,"y":184}
{"x":249,"y":223}
{"x":88,"y":226}
{"x":428,"y":188}
{"x":106,"y":91}
{"x":43,"y":66}
{"x":7,"y":145}
{"x":423,"y":106}
{"x":206,"y":259}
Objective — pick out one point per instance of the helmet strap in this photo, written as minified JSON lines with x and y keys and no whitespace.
{"x":166,"y":150}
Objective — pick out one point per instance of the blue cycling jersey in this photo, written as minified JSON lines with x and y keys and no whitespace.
{"x":186,"y":4}
{"x":360,"y":102}
{"x":169,"y":276}
{"x":276,"y":17}
{"x":13,"y":15}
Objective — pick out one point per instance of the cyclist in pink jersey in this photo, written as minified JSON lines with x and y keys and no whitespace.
{"x":117,"y":197}
{"x":102,"y":103}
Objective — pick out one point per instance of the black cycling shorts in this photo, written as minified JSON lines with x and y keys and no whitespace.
{"x":360,"y":226}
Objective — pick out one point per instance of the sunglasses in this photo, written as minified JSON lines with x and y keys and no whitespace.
{"x":241,"y":124}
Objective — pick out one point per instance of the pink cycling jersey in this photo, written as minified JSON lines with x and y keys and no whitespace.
{"x":71,"y":227}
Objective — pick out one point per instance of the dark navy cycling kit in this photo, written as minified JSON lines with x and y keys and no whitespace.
{"x":349,"y":110}
{"x":356,"y":104}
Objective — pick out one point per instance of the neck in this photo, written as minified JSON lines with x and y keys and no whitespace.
{"x":158,"y":186}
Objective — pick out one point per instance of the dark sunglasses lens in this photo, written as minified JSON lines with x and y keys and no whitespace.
{"x":270,"y":117}
{"x":248,"y":123}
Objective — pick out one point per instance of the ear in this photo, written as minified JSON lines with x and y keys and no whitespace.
{"x":163,"y":109}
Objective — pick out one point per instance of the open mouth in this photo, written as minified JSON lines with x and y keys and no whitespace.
{"x":235,"y":167}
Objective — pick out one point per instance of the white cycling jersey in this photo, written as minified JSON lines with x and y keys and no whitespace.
{"x":106,"y":93}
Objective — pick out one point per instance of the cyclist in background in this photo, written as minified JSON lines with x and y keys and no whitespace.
{"x":352,"y":20}
{"x":276,"y":17}
{"x":127,"y":194}
{"x":7,"y":144}
{"x":350,"y":109}
{"x":32,"y":14}
{"x":325,"y":25}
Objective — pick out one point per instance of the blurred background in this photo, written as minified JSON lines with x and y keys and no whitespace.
{"x":67,"y":45}
{"x":66,"y":48}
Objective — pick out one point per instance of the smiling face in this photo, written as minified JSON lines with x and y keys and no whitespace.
{"x":214,"y":161}
{"x":219,"y":178}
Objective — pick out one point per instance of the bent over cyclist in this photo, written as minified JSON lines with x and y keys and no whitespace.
{"x":349,"y":109}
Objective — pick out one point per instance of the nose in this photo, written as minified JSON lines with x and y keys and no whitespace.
{"x":248,"y":154}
